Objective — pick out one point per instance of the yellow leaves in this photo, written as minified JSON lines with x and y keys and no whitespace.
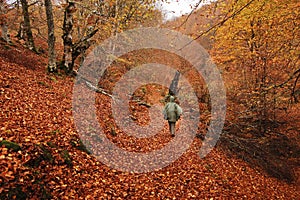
{"x":258,"y":29}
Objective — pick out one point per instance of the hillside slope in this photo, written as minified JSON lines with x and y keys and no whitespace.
{"x":42,"y":156}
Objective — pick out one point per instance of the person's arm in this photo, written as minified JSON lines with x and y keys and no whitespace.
{"x":178,"y":111}
{"x":165,"y":111}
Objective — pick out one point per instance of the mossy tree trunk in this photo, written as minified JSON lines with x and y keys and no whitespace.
{"x":27,"y":27}
{"x":3,"y":22}
{"x":51,"y":37}
{"x":67,"y":63}
{"x":73,"y":49}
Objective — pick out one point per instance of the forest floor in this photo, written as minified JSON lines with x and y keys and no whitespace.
{"x":42,"y":156}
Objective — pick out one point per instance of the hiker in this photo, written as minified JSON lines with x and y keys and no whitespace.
{"x":172,"y":112}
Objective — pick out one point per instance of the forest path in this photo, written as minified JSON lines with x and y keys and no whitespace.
{"x":36,"y":114}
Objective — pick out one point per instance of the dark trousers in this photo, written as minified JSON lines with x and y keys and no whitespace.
{"x":172,"y":128}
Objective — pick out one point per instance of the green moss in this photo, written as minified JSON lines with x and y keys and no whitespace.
{"x":14,"y":193}
{"x":66,"y":156}
{"x":52,"y":78}
{"x":80,"y":146}
{"x":45,"y":193}
{"x":113,"y":131}
{"x":10,"y":145}
{"x":52,"y":145}
{"x":44,"y":84}
{"x":46,"y":153}
{"x":54,"y":132}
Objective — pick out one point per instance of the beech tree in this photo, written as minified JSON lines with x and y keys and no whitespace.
{"x":86,"y":17}
{"x":67,"y":36}
{"x":73,"y":49}
{"x":253,"y":47}
{"x":80,"y":21}
{"x":3,"y":21}
{"x":27,"y":26}
{"x":51,"y":37}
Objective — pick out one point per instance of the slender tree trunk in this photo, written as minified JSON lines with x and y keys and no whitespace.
{"x":67,"y":63}
{"x":27,"y":26}
{"x":21,"y":35}
{"x":51,"y":37}
{"x":173,"y":90}
{"x":5,"y":34}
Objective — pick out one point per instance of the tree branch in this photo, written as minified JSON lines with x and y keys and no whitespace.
{"x":33,"y":3}
{"x":220,"y":23}
{"x":294,"y":86}
{"x":91,"y":86}
{"x":285,"y":82}
{"x":97,"y":89}
{"x":189,"y":15}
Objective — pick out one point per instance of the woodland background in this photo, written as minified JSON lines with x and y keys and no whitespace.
{"x":254,"y":43}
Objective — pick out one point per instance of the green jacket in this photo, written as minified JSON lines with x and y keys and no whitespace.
{"x":172,"y":111}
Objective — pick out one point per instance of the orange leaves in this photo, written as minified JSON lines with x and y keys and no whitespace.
{"x":53,"y":163}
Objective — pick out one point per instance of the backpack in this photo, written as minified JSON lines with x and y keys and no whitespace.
{"x":177,"y":110}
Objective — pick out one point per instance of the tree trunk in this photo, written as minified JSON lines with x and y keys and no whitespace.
{"x":67,"y":64}
{"x":3,"y":22}
{"x":173,"y":90}
{"x":51,"y":37}
{"x":21,"y":33}
{"x":73,"y":50}
{"x":80,"y":47}
{"x":5,"y":34}
{"x":27,"y":26}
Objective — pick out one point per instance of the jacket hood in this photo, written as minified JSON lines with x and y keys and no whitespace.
{"x":172,"y":99}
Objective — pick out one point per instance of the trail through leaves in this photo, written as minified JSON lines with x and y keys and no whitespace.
{"x":52,"y":163}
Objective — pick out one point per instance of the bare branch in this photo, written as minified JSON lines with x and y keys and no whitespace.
{"x":220,"y":23}
{"x":189,"y":15}
{"x":285,"y":82}
{"x":33,"y":3}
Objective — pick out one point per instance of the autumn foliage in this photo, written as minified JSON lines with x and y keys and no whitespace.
{"x":257,"y":156}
